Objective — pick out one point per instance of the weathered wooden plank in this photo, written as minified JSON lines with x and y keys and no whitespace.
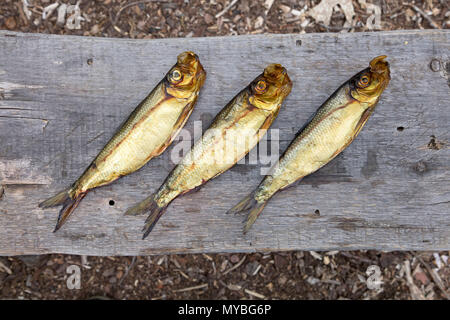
{"x":389,"y":190}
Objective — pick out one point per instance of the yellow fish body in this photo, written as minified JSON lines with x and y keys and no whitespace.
{"x":332,"y":128}
{"x":236,"y":129}
{"x":146,"y":133}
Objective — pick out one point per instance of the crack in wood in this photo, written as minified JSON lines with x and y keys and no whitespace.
{"x":26,"y":118}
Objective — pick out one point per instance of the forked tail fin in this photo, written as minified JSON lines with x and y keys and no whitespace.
{"x":69,"y":206}
{"x":63,"y":198}
{"x":148,"y":204}
{"x":255,"y":211}
{"x":252,"y":206}
{"x":57,"y":200}
{"x":155,"y":213}
{"x":141,"y":208}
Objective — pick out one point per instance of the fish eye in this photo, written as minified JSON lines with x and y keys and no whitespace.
{"x":175,"y":76}
{"x":260,"y":86}
{"x":363,"y":81}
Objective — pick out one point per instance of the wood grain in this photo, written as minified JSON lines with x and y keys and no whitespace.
{"x":389,"y":190}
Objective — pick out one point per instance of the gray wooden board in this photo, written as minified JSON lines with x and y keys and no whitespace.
{"x":389,"y":190}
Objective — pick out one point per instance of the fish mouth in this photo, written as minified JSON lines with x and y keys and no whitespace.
{"x":380,"y":70}
{"x":277,"y":75}
{"x":379,"y":65}
{"x":188,"y":59}
{"x":189,"y":62}
{"x":380,"y":77}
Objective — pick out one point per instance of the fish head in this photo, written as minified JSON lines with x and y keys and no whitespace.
{"x":270,"y":88}
{"x":186,"y":77}
{"x":368,"y":85}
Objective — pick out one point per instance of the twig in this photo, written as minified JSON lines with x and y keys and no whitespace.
{"x":255,"y":294}
{"x":423,"y":14}
{"x":257,"y":270}
{"x":435,"y":277}
{"x":2,"y":266}
{"x":237,"y":265}
{"x":201,"y":286}
{"x":349,"y":255}
{"x":21,"y":13}
{"x":334,"y":28}
{"x":214,"y":267}
{"x":228,"y":7}
{"x":182,"y":273}
{"x":208,"y":257}
{"x":128,"y":270}
{"x":416,"y":294}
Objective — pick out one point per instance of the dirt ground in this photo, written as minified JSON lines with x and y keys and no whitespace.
{"x":281,"y":275}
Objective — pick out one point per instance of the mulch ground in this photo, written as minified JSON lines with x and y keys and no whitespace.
{"x":282,"y":275}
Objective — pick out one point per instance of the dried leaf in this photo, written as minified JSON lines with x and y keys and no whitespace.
{"x":374,"y":20}
{"x":316,"y":255}
{"x":48,"y":10}
{"x":25,"y":9}
{"x":268,"y":4}
{"x":323,"y":11}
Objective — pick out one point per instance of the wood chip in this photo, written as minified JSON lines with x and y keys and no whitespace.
{"x":234,"y":287}
{"x":161,"y":260}
{"x":436,"y":278}
{"x":259,"y":22}
{"x":316,"y":255}
{"x":207,"y":257}
{"x":10,"y":23}
{"x":284,"y":8}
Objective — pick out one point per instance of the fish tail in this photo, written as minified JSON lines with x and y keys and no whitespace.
{"x":69,"y":206}
{"x":252,"y":206}
{"x":141,"y":208}
{"x":57,"y":200}
{"x":243,"y":205}
{"x":155,"y":213}
{"x":148,"y":204}
{"x":254,"y":212}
